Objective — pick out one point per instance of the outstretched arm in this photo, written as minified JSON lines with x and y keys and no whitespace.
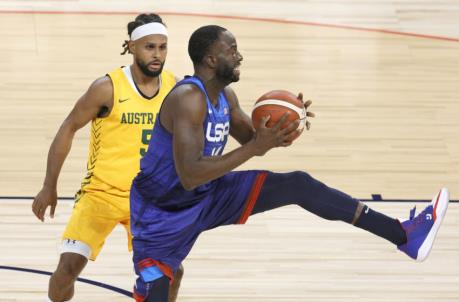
{"x":98,"y":97}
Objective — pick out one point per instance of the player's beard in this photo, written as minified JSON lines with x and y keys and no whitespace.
{"x":226,"y":73}
{"x":144,"y":68}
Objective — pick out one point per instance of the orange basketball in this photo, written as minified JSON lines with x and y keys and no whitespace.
{"x":275,"y":103}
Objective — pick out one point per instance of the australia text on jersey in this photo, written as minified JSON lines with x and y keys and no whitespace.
{"x":138,"y":118}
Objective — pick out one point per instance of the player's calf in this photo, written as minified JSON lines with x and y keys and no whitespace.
{"x":61,"y":283}
{"x":174,"y":287}
{"x":153,"y":284}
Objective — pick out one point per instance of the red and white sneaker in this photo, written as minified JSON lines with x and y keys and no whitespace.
{"x":422,"y":229}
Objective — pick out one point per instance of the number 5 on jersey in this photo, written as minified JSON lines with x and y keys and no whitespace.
{"x":146,"y":136}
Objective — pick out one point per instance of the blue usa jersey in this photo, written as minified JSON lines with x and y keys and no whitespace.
{"x":216,"y":125}
{"x":157,"y":180}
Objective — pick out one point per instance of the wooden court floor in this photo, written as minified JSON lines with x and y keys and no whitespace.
{"x":386,"y":104}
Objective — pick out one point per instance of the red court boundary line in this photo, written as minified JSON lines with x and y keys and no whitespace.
{"x":270,"y":20}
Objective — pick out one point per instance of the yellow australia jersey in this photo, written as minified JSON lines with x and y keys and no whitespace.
{"x":119,"y":140}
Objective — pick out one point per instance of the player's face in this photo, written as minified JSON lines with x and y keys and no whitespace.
{"x":150,"y":54}
{"x":229,"y":58}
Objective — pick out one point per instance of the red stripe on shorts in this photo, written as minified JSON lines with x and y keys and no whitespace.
{"x":253,"y":196}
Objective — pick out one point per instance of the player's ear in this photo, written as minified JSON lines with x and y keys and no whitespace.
{"x":210,"y":60}
{"x":131,"y":46}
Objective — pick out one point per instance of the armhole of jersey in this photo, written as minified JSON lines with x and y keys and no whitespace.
{"x":227,"y":103}
{"x":225,"y":96}
{"x":115,"y":96}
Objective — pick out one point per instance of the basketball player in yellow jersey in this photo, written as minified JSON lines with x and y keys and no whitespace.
{"x":122,"y":107}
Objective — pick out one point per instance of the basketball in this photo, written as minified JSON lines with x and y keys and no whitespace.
{"x":275,"y":104}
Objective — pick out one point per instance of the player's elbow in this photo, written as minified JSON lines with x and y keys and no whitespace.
{"x":187,"y":179}
{"x":191,"y":175}
{"x":188,"y":186}
{"x":188,"y":183}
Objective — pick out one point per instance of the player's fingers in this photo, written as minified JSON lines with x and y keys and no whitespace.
{"x":292,"y":135}
{"x":281,"y":121}
{"x":286,"y":143}
{"x":40,"y":213}
{"x":35,"y":212}
{"x":53,"y":208}
{"x":35,"y":208}
{"x":307,"y":103}
{"x":310,"y":114}
{"x":263,"y":121}
{"x":308,"y":125}
{"x":300,"y":96}
{"x":291,"y":127}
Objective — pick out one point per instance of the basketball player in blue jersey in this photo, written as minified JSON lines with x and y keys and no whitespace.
{"x":186,"y":184}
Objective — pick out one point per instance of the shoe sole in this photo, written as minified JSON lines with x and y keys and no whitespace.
{"x":440,"y":205}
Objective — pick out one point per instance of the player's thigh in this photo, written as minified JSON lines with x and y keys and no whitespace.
{"x":93,"y":218}
{"x":233,"y":198}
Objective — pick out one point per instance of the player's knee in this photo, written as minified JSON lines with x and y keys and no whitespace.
{"x":304,"y":187}
{"x":70,"y":266}
{"x":179,"y":274}
{"x":301,"y":179}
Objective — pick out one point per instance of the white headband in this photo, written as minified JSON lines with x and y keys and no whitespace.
{"x":153,"y":28}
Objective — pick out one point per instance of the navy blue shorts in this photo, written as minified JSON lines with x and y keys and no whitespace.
{"x":164,"y":238}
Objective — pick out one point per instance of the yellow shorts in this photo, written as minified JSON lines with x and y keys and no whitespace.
{"x":94,"y":217}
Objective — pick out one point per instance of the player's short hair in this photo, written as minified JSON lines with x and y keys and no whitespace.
{"x":201,"y":40}
{"x":138,"y":21}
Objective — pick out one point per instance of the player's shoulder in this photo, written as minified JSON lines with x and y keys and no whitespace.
{"x":187,"y":95}
{"x":109,"y":78}
{"x":102,"y":84}
{"x":100,"y":93}
{"x":185,"y":102}
{"x":231,"y":96}
{"x":116,"y":73}
{"x":229,"y":91}
{"x":187,"y":90}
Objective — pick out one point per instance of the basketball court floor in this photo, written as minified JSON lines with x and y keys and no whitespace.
{"x":384,"y":80}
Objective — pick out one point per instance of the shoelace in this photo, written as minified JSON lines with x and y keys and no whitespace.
{"x":412,"y":213}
